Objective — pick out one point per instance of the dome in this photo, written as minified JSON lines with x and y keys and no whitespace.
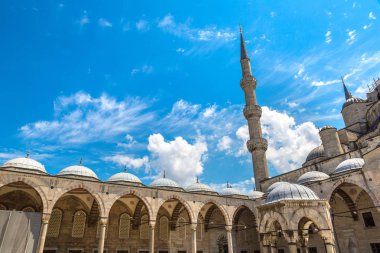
{"x":350,"y":164}
{"x":199,"y":187}
{"x":255,"y":194}
{"x":316,"y":153}
{"x":312,"y":176}
{"x":274,"y":185}
{"x":25,"y":163}
{"x":124,"y":177}
{"x":291,"y":192}
{"x":229,"y":191}
{"x":353,"y":100}
{"x":78,"y":171}
{"x":164,"y":183}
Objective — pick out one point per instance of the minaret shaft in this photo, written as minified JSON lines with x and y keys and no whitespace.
{"x":256,"y":144}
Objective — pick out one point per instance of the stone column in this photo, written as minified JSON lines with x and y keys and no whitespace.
{"x":229,"y":239}
{"x":291,"y":237}
{"x":152,"y":225}
{"x":102,"y":233}
{"x":193,"y":238}
{"x":327,"y":237}
{"x":303,"y":241}
{"x":330,"y":247}
{"x":265,"y":243}
{"x":43,"y":231}
{"x":273,"y":244}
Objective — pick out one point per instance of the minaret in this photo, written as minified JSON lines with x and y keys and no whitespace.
{"x":256,"y":144}
{"x":346,"y":93}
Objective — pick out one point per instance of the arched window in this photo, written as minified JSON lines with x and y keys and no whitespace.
{"x":124,"y":225}
{"x":54,"y":223}
{"x":28,"y":209}
{"x":164,"y":228}
{"x":200,"y":229}
{"x":144,"y":227}
{"x":79,"y":224}
{"x":3,"y":207}
{"x":181,"y":228}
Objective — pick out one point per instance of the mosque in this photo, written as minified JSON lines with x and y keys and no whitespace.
{"x":331,"y":204}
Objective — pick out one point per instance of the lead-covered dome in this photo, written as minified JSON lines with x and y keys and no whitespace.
{"x":124,"y":178}
{"x":78,"y":171}
{"x":353,"y":100}
{"x":165,"y":183}
{"x":199,"y":187}
{"x":274,"y":185}
{"x":229,"y":191}
{"x":317,"y":152}
{"x":291,"y":192}
{"x":255,"y":194}
{"x":25,"y":163}
{"x":312,"y":176}
{"x":350,"y":164}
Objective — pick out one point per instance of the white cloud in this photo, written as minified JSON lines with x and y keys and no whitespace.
{"x":209,"y":112}
{"x":142,"y":25}
{"x":128,"y":143}
{"x":244,"y":186}
{"x":145,"y":69}
{"x":371,"y":16}
{"x":180,"y":50}
{"x":81,"y":118}
{"x":224,"y":143}
{"x":324,"y":83}
{"x":129,"y":161}
{"x":180,"y":160}
{"x":84,"y":19}
{"x":351,"y":36}
{"x":288,"y":142}
{"x":365,"y":27}
{"x":328,"y":37}
{"x":292,"y":104}
{"x":104,"y":22}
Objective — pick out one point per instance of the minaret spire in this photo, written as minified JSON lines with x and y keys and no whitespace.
{"x":347,"y":94}
{"x":256,"y":144}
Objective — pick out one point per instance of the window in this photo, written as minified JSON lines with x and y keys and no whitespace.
{"x":181,"y":251}
{"x":54,"y":223}
{"x":375,"y":247}
{"x":75,"y":251}
{"x":181,"y":228}
{"x":96,"y":251}
{"x":281,"y":251}
{"x":313,"y":250}
{"x":124,"y":225}
{"x":163,"y":251}
{"x":144,"y":227}
{"x":368,"y":220}
{"x":164,"y":228}
{"x":121,"y":251}
{"x":79,"y":224}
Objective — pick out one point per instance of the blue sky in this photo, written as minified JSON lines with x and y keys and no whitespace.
{"x":154,"y":85}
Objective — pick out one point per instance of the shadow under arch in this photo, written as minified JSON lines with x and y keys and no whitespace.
{"x":212,"y":206}
{"x":239,"y":211}
{"x":180,"y":205}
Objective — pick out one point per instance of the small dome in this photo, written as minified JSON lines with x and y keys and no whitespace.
{"x":25,"y":163}
{"x":164,"y":183}
{"x":255,"y":194}
{"x":229,"y":191}
{"x":350,"y":164}
{"x":124,"y":177}
{"x":291,"y":192}
{"x":312,"y":176}
{"x":316,"y":153}
{"x":77,"y":171}
{"x":199,"y":187}
{"x":274,"y":185}
{"x":353,"y":100}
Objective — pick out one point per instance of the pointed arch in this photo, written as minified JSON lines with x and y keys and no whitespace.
{"x":183,"y":202}
{"x":208,"y":215}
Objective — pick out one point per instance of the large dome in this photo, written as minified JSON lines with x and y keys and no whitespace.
{"x":291,"y":192}
{"x":274,"y":185}
{"x":124,"y":177}
{"x":255,"y":194}
{"x":165,"y":183}
{"x":352,"y":100}
{"x":350,"y":164}
{"x":78,"y":171}
{"x":316,"y":153}
{"x":312,"y":176}
{"x":25,"y":163}
{"x":199,"y":187}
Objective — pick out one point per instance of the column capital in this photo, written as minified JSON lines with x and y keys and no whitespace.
{"x":193,"y":226}
{"x":103,"y":221}
{"x":45,"y":218}
{"x":152,"y":224}
{"x":228,"y":228}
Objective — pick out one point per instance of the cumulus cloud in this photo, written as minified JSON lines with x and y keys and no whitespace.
{"x":181,"y":160}
{"x":351,"y":36}
{"x":129,"y":161}
{"x":104,"y":22}
{"x":224,"y":143}
{"x":371,"y":16}
{"x":328,"y":38}
{"x":81,"y":118}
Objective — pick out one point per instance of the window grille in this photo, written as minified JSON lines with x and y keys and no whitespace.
{"x":54,"y":223}
{"x":124,"y":225}
{"x":79,"y":224}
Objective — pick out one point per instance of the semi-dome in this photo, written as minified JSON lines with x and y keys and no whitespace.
{"x":291,"y":192}
{"x":255,"y":194}
{"x":165,"y":183}
{"x":25,"y":163}
{"x":353,"y":100}
{"x":274,"y":185}
{"x":124,"y":177}
{"x":199,"y":187}
{"x":78,"y":171}
{"x":350,"y":164}
{"x":316,"y":153}
{"x":312,"y":176}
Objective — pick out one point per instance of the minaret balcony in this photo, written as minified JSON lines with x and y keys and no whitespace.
{"x":248,"y":82}
{"x":252,"y":111}
{"x":257,"y":144}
